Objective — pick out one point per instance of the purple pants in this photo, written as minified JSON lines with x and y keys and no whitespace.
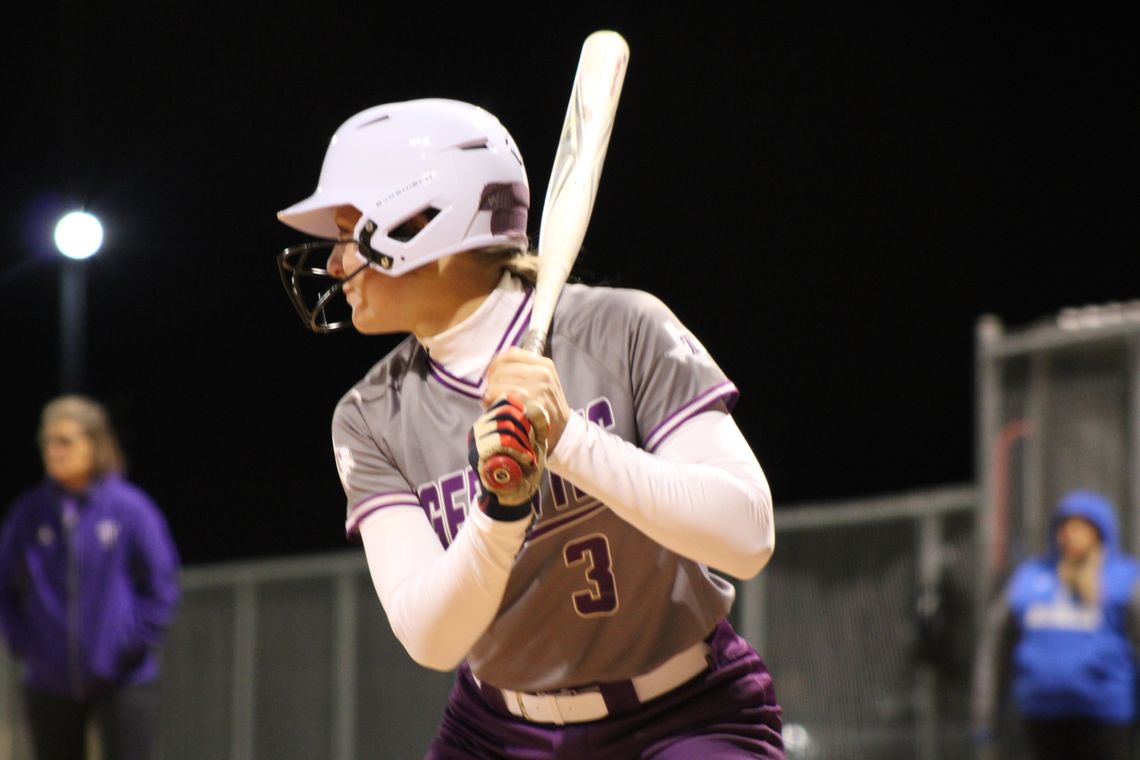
{"x":729,"y":711}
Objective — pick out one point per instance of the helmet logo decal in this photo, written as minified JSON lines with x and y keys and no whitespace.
{"x":508,"y":203}
{"x":423,"y":180}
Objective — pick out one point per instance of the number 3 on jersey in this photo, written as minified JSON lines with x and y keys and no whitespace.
{"x":593,"y":552}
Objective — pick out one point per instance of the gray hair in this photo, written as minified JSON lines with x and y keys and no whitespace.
{"x":96,"y":424}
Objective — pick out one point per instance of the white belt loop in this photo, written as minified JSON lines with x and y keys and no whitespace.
{"x":580,"y":706}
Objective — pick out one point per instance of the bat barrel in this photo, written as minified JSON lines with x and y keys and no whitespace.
{"x":569,"y":203}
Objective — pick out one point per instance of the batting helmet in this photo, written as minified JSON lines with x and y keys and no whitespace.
{"x":444,"y":161}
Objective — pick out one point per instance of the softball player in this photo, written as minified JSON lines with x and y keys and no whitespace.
{"x":588,"y":621}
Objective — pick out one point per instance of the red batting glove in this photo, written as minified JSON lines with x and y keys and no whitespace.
{"x":507,"y":449}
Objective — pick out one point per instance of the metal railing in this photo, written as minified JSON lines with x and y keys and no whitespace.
{"x":293,"y":657}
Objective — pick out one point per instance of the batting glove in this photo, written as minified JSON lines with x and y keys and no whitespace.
{"x":507,"y":447}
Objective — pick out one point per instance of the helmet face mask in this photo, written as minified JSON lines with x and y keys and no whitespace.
{"x":430,"y":178}
{"x":313,"y":290}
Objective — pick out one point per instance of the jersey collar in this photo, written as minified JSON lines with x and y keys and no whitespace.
{"x":459,"y":355}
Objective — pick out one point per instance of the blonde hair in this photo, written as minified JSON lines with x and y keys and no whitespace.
{"x":96,"y":424}
{"x":1083,"y":575}
{"x":520,"y":261}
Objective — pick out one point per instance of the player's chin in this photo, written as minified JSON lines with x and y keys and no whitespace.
{"x":361,"y":321}
{"x":367,"y":323}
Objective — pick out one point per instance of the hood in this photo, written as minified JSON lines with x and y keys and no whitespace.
{"x":1091,"y":506}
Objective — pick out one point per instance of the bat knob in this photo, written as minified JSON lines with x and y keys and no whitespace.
{"x":501,"y":473}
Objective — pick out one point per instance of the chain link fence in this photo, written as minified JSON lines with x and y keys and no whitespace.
{"x":1058,"y":409}
{"x":858,"y":616}
{"x":865,"y":617}
{"x":287,"y":659}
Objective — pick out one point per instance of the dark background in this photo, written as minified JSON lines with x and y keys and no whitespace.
{"x":829,"y":198}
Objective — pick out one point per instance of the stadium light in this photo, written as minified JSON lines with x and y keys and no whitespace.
{"x":78,"y":236}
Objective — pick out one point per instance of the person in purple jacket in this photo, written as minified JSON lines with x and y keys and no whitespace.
{"x":88,"y":585}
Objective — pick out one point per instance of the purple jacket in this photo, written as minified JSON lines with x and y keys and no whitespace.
{"x":84,"y":601}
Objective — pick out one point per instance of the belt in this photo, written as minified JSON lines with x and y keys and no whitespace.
{"x":581,"y":705}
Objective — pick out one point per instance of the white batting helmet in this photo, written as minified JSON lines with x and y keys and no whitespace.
{"x":450,"y":161}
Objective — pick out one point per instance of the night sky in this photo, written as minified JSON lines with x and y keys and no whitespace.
{"x":828,"y":199}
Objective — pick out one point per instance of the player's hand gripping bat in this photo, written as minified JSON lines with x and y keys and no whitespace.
{"x":565,"y":215}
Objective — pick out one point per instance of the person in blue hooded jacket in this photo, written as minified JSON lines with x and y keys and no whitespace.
{"x":1064,"y":641}
{"x":88,"y":586}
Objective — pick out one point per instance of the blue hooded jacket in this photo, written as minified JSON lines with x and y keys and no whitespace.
{"x":85,"y":599}
{"x":1073,"y":659}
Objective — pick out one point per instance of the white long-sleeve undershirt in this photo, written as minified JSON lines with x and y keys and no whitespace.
{"x":702,"y":494}
{"x":439,"y":602}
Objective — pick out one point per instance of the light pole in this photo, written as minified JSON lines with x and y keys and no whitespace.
{"x":78,"y":236}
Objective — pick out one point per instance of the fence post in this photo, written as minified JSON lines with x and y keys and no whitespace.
{"x":929,"y":579}
{"x":987,"y":411}
{"x":344,"y":668}
{"x":244,"y":679}
{"x":1133,"y":498}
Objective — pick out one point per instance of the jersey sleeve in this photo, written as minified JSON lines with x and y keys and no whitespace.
{"x":673,"y":377}
{"x":685,"y":477}
{"x":370,"y":479}
{"x":702,"y":494}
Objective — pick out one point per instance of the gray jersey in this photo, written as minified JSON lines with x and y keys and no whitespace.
{"x":590,"y":598}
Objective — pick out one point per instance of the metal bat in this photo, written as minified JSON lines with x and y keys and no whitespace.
{"x":570,"y":197}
